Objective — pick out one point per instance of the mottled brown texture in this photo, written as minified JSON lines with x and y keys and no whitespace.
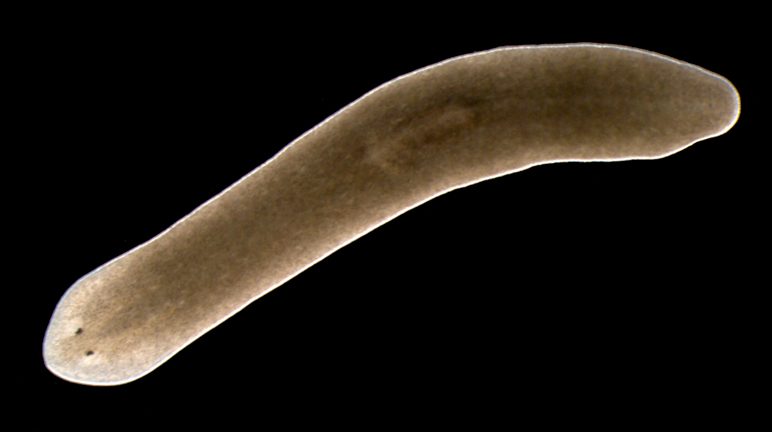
{"x":440,"y":128}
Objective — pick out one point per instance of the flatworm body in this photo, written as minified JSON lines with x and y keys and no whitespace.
{"x":447,"y":126}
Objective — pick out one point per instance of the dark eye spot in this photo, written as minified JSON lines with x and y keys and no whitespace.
{"x":78,"y":331}
{"x":89,"y":352}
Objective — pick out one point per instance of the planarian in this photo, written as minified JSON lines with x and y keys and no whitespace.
{"x":447,"y":126}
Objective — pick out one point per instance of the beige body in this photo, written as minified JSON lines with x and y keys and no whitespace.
{"x":440,"y":128}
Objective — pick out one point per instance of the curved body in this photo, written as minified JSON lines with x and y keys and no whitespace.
{"x":443,"y":127}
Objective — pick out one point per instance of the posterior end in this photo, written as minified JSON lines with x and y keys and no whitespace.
{"x":734,"y":103}
{"x":724,"y":103}
{"x":709,"y":107}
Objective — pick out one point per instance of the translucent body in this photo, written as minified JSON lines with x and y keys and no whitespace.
{"x":447,"y":126}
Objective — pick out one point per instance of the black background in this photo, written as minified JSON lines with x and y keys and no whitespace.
{"x":570,"y":292}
